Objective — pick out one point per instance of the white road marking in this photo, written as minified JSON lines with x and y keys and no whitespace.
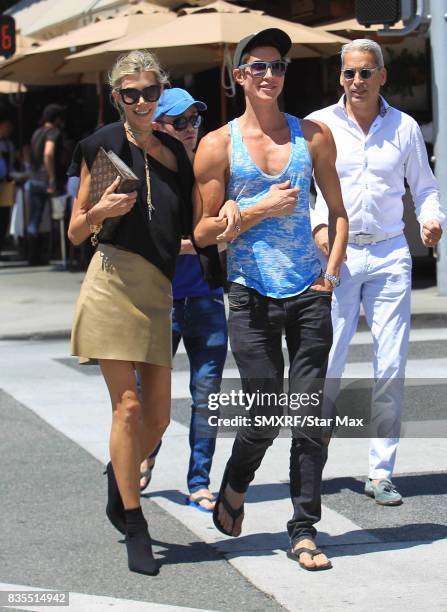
{"x":80,"y":602}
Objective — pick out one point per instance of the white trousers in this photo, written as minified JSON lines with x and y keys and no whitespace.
{"x":379,"y":277}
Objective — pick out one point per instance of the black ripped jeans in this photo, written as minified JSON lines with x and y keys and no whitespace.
{"x":256,"y":324}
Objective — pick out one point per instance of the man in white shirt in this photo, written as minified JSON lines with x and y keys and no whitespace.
{"x":378,"y":147}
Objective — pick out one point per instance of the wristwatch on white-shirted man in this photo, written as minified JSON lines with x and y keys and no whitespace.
{"x":334,"y":280}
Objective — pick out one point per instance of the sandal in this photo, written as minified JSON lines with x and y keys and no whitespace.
{"x":148,"y":475}
{"x":196,"y":502}
{"x":235,"y":513}
{"x":294,"y":554}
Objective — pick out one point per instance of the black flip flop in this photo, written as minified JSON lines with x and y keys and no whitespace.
{"x":313,"y":552}
{"x":148,"y":475}
{"x":235,"y":513}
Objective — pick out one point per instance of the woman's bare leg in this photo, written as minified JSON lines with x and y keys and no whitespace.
{"x":125,"y":450}
{"x":130,"y":421}
{"x":137,"y":426}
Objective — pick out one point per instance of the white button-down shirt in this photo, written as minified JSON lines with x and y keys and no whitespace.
{"x":372,"y":169}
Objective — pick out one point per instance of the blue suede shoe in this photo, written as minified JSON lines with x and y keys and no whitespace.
{"x":385,"y":493}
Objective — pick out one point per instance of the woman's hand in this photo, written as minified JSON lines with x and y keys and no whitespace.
{"x":229,"y":211}
{"x":113,"y":204}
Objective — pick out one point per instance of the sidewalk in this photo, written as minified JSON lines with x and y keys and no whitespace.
{"x":40,"y":301}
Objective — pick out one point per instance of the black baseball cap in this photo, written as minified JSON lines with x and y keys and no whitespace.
{"x":271,"y":37}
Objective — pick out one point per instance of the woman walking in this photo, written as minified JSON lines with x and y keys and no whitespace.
{"x":123,"y":313}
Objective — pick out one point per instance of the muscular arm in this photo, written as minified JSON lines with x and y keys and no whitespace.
{"x":324,"y":154}
{"x":211,"y":169}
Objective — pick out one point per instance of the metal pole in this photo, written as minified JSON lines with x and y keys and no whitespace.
{"x":438,"y":39}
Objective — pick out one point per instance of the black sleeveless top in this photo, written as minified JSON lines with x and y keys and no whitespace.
{"x":157,"y":240}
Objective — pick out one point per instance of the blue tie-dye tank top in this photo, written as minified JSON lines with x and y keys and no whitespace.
{"x":277,"y":257}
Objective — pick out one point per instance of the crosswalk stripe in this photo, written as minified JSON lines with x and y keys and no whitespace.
{"x":80,"y":602}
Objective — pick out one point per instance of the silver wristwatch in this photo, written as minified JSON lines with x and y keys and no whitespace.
{"x":334,"y":280}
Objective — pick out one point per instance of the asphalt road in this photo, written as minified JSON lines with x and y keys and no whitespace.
{"x":53,"y":445}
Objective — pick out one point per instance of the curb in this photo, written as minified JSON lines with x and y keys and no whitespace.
{"x":418,"y":320}
{"x":63,"y":334}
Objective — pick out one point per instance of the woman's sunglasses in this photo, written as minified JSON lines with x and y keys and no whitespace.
{"x":259,"y":69}
{"x":365,"y":73}
{"x":181,"y":123}
{"x":132,"y":95}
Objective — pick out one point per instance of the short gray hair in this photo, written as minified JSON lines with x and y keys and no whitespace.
{"x":140,"y":60}
{"x":365,"y":45}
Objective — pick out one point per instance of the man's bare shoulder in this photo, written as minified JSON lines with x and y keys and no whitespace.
{"x":319,"y":139}
{"x":216,"y":142}
{"x":316,"y":131}
{"x":213,"y":153}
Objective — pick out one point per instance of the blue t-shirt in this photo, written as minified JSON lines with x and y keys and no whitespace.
{"x":188,"y":280}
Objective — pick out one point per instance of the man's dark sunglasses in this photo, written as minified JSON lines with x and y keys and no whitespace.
{"x":181,"y":123}
{"x":259,"y":69}
{"x":365,"y":73}
{"x":131,"y":95}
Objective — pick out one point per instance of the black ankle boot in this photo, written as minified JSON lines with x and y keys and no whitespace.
{"x":138,"y":544}
{"x":115,"y":507}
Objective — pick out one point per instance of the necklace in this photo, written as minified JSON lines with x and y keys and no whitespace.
{"x":133,"y":134}
{"x":150,"y":206}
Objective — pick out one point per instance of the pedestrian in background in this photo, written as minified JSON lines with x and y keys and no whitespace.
{"x":198,"y":316}
{"x":7,"y":187}
{"x":47,"y":177}
{"x":378,"y":149}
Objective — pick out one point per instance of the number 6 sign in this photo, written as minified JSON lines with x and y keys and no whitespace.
{"x":7,"y":36}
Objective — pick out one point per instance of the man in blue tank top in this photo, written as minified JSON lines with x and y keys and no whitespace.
{"x":261,"y":164}
{"x":198,"y":316}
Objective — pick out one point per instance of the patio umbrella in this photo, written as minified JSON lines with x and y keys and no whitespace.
{"x":202,"y":38}
{"x":202,"y":35}
{"x":39,"y":65}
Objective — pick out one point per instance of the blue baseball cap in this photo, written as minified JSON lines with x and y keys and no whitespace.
{"x":175,"y":101}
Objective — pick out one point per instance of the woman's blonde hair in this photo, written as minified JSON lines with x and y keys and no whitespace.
{"x":140,"y":60}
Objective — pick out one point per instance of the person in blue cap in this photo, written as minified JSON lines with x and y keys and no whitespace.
{"x":198,"y":316}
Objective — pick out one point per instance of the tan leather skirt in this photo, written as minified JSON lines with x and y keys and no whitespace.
{"x":124,"y":310}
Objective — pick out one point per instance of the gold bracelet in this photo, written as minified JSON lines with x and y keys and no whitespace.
{"x":95,"y":228}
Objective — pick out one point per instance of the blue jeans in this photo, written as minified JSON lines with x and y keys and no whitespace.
{"x":201,"y":322}
{"x":38,"y":198}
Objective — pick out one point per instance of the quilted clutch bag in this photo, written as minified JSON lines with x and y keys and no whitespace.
{"x":106,"y":167}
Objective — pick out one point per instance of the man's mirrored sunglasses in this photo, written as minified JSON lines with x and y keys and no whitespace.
{"x":365,"y":73}
{"x":259,"y":69}
{"x":181,"y":123}
{"x":131,"y":95}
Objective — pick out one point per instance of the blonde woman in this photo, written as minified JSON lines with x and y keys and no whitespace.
{"x":123,"y":312}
